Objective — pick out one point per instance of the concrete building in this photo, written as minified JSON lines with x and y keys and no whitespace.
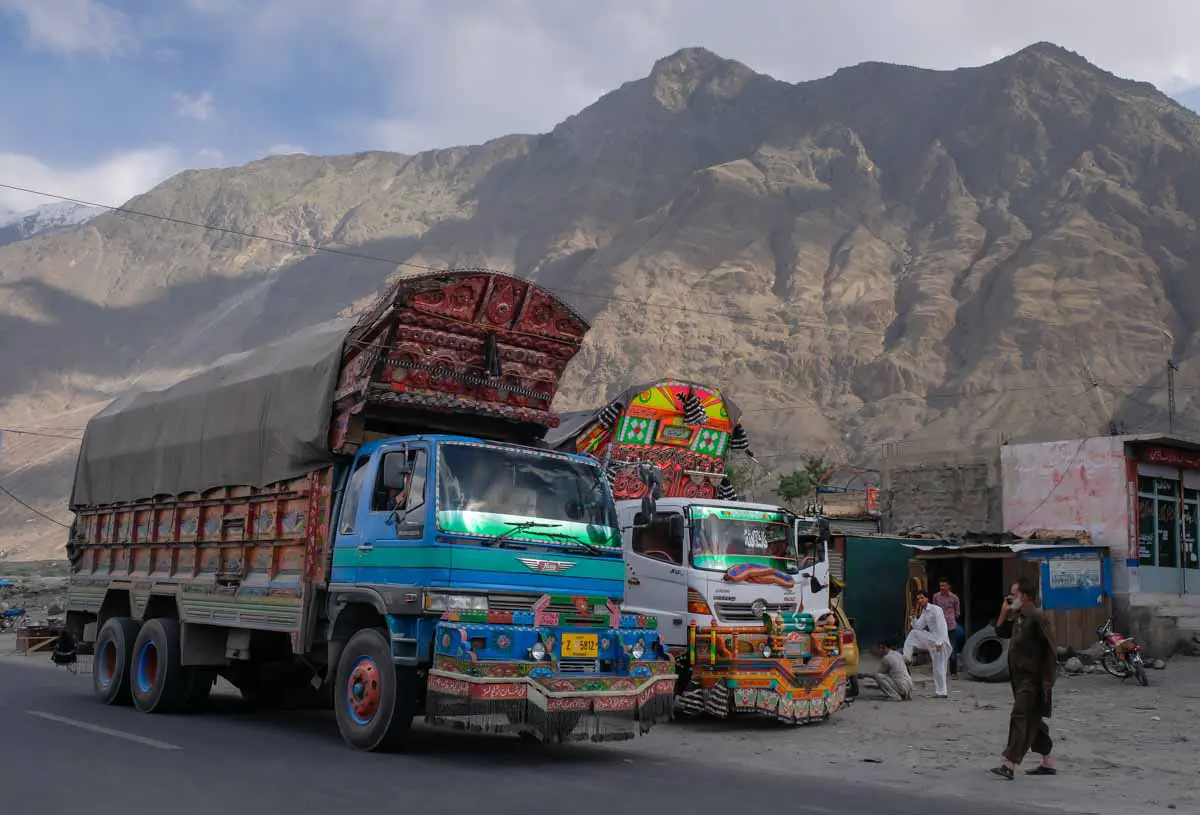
{"x":1138,"y":495}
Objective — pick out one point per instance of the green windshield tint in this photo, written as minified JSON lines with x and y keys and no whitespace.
{"x":493,"y":525}
{"x":494,"y":490}
{"x":723,"y":537}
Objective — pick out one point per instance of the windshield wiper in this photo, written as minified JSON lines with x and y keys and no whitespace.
{"x":595,"y":550}
{"x":515,"y":528}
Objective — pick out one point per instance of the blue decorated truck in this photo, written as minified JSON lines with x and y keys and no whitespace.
{"x":364,"y":515}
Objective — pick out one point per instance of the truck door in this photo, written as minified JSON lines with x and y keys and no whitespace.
{"x":396,"y":519}
{"x":347,"y":542}
{"x":656,"y":573}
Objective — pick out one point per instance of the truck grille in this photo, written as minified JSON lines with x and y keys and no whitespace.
{"x":578,"y":666}
{"x":524,"y":602}
{"x":741,"y":612}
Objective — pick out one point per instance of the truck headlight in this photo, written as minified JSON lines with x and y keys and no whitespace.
{"x":766,"y":650}
{"x":638,"y":650}
{"x":438,"y":601}
{"x":537,"y":651}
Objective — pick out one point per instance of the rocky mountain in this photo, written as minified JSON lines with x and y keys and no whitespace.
{"x":887,"y":253}
{"x":44,"y":220}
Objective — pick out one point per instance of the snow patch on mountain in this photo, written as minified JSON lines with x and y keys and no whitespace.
{"x":46,"y":219}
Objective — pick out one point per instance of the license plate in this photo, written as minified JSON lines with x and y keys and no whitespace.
{"x":580,"y":645}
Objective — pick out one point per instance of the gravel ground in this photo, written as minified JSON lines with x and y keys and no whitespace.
{"x":1121,"y":748}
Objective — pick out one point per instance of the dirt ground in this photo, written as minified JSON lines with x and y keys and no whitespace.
{"x":1121,"y":748}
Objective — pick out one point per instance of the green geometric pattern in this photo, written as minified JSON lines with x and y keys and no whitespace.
{"x":636,"y":431}
{"x":710,"y":442}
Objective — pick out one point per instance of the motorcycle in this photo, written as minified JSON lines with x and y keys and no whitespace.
{"x":1122,"y":656}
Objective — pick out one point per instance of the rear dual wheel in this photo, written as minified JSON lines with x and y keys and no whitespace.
{"x":142,"y":666}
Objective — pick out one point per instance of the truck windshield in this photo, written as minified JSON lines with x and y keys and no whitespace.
{"x":724,"y":537}
{"x":493,"y":492}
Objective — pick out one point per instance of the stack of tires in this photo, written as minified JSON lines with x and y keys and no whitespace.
{"x":984,"y":656}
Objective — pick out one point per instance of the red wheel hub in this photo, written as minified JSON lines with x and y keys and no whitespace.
{"x":363,"y":690}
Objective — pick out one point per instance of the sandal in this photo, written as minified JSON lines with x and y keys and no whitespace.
{"x":1004,"y":772}
{"x":1042,"y":769}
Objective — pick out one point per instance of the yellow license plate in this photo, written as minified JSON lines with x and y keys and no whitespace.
{"x":580,"y":645}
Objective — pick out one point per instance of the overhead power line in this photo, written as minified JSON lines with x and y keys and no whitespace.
{"x":349,"y":253}
{"x":31,"y":508}
{"x":18,"y":432}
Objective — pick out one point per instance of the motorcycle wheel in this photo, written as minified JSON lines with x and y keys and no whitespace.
{"x":1113,"y":666}
{"x":1139,"y":670}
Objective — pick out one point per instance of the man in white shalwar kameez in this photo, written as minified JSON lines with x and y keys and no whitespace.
{"x":929,"y":633}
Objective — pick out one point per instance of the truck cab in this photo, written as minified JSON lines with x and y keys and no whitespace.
{"x":707,"y":562}
{"x":485,"y":518}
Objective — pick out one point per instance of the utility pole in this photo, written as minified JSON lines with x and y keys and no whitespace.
{"x":1171,"y":369}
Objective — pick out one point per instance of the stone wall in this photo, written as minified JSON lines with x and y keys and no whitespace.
{"x":942,"y":493}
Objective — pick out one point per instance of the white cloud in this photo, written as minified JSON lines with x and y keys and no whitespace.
{"x":73,"y":26}
{"x":208,"y":157}
{"x":285,"y":150}
{"x":466,"y":71}
{"x":111,"y":182}
{"x":198,"y":106}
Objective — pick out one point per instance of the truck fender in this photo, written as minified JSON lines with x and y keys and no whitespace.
{"x":351,"y":609}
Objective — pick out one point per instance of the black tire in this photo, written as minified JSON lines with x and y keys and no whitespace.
{"x":157,"y":681}
{"x":374,"y":700}
{"x":1113,"y":666}
{"x":852,"y":691}
{"x":199,"y":684}
{"x":114,"y":653}
{"x":984,"y":656}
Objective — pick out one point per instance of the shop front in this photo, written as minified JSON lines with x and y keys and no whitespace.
{"x":1164,"y":495}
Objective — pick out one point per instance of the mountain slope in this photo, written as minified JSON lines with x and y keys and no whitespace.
{"x":886,"y":253}
{"x":44,"y":220}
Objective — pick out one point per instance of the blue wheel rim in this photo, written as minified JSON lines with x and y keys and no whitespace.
{"x":147,"y":667}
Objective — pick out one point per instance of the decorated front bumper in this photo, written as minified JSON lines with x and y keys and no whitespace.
{"x":784,"y":669}
{"x":596,"y":675}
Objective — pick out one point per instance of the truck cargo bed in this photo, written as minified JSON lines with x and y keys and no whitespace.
{"x":235,"y":556}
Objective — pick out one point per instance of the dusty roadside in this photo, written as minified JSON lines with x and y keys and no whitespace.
{"x":1121,"y":748}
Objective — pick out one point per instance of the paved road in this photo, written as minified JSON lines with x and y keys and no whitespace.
{"x":62,"y":752}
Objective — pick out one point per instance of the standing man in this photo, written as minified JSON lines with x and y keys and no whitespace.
{"x":1032,"y":666}
{"x":951,"y":606}
{"x":929,"y":633}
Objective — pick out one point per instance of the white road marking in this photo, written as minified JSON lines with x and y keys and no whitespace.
{"x":107,"y":731}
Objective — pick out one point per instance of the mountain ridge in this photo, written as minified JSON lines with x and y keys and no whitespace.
{"x":882,"y":254}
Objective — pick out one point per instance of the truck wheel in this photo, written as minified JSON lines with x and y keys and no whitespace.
{"x":198,"y":684}
{"x":114,"y":652}
{"x":157,"y":681}
{"x":374,"y":699}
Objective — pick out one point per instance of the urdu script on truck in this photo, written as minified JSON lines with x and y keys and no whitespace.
{"x":365,"y":515}
{"x":726,"y":578}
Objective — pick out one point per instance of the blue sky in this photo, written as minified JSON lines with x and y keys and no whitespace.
{"x":104,"y":98}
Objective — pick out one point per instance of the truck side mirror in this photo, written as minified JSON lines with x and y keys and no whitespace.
{"x":396,"y":470}
{"x":823,"y":530}
{"x":649,"y":507}
{"x":640,"y":519}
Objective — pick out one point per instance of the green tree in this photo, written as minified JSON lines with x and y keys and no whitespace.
{"x":818,"y":469}
{"x":794,"y":487}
